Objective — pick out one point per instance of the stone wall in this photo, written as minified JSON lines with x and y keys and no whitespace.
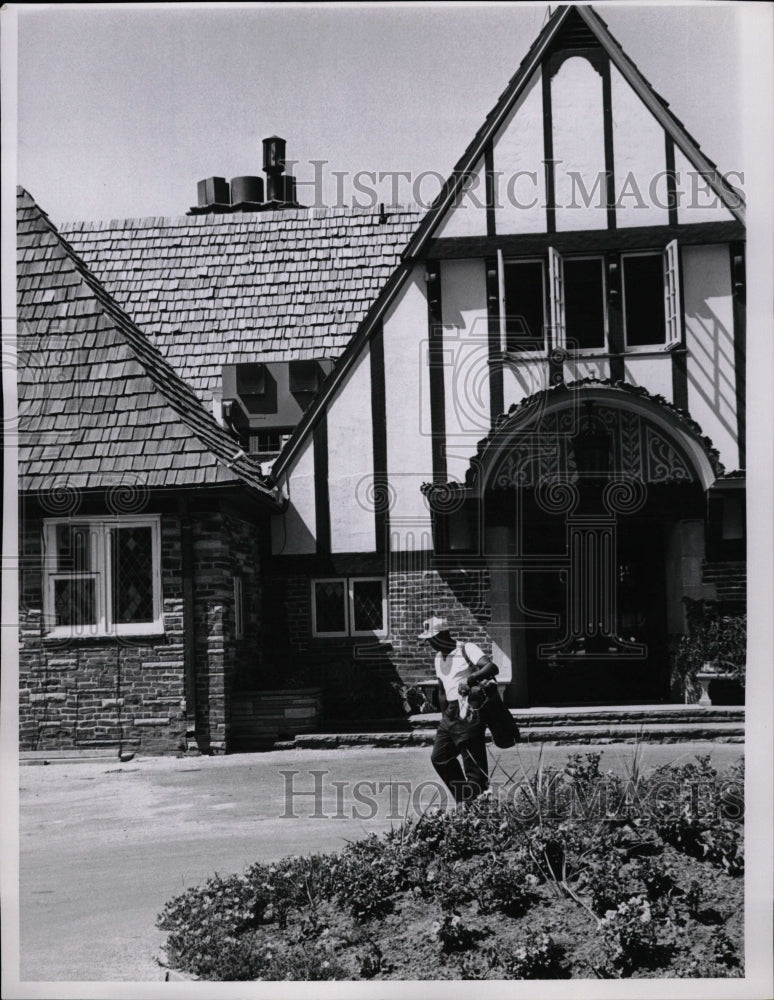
{"x":129,"y":692}
{"x":90,"y":693}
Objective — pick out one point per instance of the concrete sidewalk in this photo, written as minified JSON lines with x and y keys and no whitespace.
{"x":105,"y":844}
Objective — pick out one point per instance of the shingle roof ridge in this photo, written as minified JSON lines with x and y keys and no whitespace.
{"x":259,"y":219}
{"x":171,"y":387}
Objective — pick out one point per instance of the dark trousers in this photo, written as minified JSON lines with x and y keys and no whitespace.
{"x":461,"y":739}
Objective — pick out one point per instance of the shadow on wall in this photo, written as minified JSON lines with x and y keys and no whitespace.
{"x":363,"y":687}
{"x":710,"y":340}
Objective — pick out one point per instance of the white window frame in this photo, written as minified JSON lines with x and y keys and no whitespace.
{"x":545,"y":329}
{"x":556,"y":299}
{"x":351,"y":589}
{"x":673,"y":318}
{"x":349,"y":607}
{"x":673,"y":307}
{"x":101,"y":570}
{"x":581,"y":352}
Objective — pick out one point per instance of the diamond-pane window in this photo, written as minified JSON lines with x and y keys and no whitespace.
{"x":73,"y":548}
{"x":132,"y":577}
{"x":103,"y":576}
{"x":367,"y":606}
{"x":353,"y":606}
{"x":75,"y":601}
{"x":330,"y":609}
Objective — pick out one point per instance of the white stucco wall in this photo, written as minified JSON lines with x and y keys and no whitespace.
{"x":466,"y":367}
{"x":579,"y":143}
{"x":518,"y":154}
{"x":468,"y":216}
{"x":709,"y":333}
{"x":522,"y":379}
{"x":653,"y":371}
{"x":698,"y":202}
{"x":293,"y":533}
{"x":639,"y":157}
{"x":351,"y":462}
{"x":578,"y":368}
{"x":407,"y":392}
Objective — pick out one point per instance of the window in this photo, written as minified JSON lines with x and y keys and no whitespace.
{"x":239,"y":609}
{"x":102,"y":577}
{"x":651,"y":292}
{"x":523,"y":311}
{"x":577,"y":290}
{"x":584,"y":303}
{"x":349,"y":606}
{"x":651,"y":300}
{"x":268,"y":443}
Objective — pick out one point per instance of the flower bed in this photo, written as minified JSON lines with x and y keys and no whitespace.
{"x":577,"y":874}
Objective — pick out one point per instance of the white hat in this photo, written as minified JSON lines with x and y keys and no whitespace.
{"x":432,"y":626}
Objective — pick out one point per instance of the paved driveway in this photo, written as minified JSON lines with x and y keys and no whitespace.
{"x":103,"y":845}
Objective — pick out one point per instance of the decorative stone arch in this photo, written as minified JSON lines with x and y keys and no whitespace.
{"x":649,"y":439}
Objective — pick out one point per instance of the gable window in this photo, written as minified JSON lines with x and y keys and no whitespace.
{"x":651,"y":298}
{"x":349,"y":606}
{"x":102,"y":576}
{"x":584,"y":303}
{"x":523,"y":305}
{"x":577,"y":302}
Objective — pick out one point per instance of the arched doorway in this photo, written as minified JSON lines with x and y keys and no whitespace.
{"x":590,"y":503}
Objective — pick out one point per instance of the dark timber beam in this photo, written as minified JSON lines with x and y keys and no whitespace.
{"x":588,"y":240}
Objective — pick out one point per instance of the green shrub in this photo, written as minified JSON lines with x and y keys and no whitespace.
{"x":369,"y":874}
{"x":698,"y":825}
{"x":540,"y":957}
{"x":712,"y":638}
{"x":204,"y":924}
{"x":506,"y":886}
{"x":454,"y":934}
{"x":303,"y":961}
{"x":633,"y":939}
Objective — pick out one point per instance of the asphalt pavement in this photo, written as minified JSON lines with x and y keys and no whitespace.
{"x":104,"y":844}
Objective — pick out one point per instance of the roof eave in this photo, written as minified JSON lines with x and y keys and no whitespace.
{"x":732,"y":198}
{"x":475,"y":150}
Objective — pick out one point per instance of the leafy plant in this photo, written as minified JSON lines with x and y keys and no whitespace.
{"x":699,"y":825}
{"x":720,"y":640}
{"x":369,"y":874}
{"x":506,"y":887}
{"x":633,"y":939}
{"x":453,"y":933}
{"x":539,"y":957}
{"x":303,"y":961}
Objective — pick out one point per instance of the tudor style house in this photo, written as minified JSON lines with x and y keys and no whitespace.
{"x":523,"y":410}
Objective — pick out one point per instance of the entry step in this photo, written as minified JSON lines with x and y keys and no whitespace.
{"x":720,"y":732}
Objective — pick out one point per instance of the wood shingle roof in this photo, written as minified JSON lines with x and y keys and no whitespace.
{"x":99,"y":407}
{"x":212,"y":290}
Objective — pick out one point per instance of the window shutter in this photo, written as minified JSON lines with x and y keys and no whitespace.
{"x":501,"y":299}
{"x":672,"y":306}
{"x":556,"y":283}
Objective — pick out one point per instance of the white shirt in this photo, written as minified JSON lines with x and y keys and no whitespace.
{"x":451,"y":670}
